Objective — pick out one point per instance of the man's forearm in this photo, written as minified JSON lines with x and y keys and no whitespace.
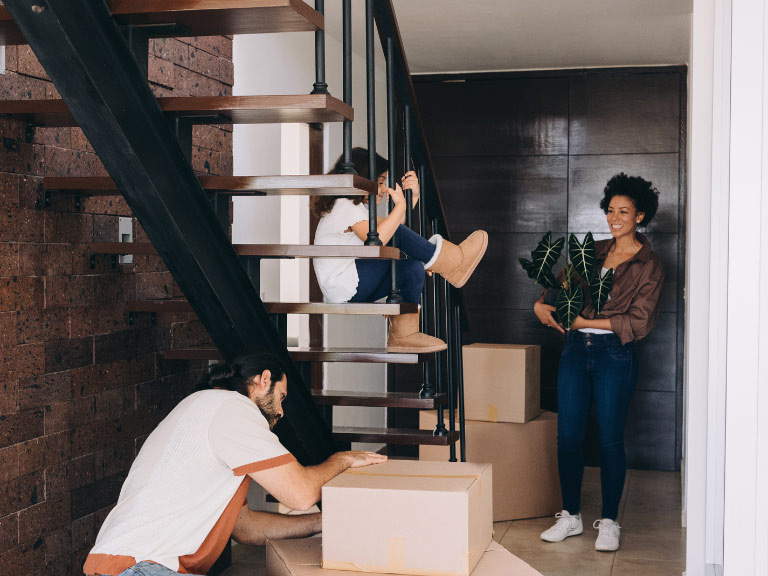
{"x":320,"y":474}
{"x":256,"y":528}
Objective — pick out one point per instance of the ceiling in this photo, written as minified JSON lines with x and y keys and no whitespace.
{"x":482,"y":35}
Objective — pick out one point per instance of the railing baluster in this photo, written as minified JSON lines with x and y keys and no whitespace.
{"x":320,"y":86}
{"x":394,"y":293}
{"x":437,"y":300}
{"x":408,"y":160}
{"x":451,"y":341}
{"x":427,"y":313}
{"x":347,"y":167}
{"x":460,"y":363}
{"x":370,"y":70}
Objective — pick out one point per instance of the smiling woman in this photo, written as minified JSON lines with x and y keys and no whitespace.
{"x":598,"y":361}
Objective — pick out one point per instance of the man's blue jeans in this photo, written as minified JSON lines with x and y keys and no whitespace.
{"x":374,"y":276}
{"x":148,"y":569}
{"x":594,"y":366}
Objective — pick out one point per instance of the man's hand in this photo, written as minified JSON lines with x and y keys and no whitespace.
{"x":358,"y":459}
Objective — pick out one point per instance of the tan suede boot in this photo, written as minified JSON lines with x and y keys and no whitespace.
{"x":404,"y":336}
{"x":456,"y":263}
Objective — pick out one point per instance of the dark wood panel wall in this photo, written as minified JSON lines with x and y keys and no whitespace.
{"x":519,"y":154}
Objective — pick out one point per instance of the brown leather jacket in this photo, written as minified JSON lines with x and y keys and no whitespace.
{"x":634,"y":303}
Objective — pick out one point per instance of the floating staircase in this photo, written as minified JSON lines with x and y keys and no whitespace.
{"x":220,"y":281}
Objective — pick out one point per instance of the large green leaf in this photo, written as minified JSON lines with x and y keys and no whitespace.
{"x":600,"y":289}
{"x":543,"y":257}
{"x":547,"y":279}
{"x":583,"y":256}
{"x":570,"y":303}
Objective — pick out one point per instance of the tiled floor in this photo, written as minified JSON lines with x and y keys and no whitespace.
{"x":652,"y":541}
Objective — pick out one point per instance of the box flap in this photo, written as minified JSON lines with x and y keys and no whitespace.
{"x":302,"y":558}
{"x":411,"y":475}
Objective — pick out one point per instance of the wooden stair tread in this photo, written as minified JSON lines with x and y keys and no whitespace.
{"x":315,"y":185}
{"x":362,"y":308}
{"x":378,"y":399}
{"x":311,"y":354}
{"x":393,"y":436}
{"x":199,"y":18}
{"x":299,"y":108}
{"x":264,"y":250}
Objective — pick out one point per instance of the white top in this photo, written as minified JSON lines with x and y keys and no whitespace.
{"x":185,"y":489}
{"x":337,"y":277}
{"x":603,"y":270}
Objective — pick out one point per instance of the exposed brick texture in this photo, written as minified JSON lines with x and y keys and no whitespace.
{"x":80,"y":388}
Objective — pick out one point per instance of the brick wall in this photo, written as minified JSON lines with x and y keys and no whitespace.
{"x":80,"y":389}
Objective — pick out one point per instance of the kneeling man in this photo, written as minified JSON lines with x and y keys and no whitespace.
{"x":185,"y":493}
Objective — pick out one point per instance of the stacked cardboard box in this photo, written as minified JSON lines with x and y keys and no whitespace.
{"x":408,"y":517}
{"x":505,"y":427}
{"x":302,"y":558}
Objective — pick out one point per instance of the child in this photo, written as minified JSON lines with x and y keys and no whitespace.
{"x":344,"y":221}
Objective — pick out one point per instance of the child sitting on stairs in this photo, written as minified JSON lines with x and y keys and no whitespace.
{"x":344,"y":221}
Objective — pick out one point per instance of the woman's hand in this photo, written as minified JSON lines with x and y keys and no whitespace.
{"x":544,"y":314}
{"x":411,"y":182}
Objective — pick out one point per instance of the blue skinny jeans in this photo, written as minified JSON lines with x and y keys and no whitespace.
{"x":594,"y":366}
{"x":375,"y":276}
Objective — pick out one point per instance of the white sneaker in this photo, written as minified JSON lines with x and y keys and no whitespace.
{"x":565,"y":526}
{"x":608,"y":536}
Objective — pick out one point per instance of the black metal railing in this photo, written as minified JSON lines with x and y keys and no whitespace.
{"x":442,"y":304}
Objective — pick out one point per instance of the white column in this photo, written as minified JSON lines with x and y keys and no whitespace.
{"x":744,"y":547}
{"x":294,"y":229}
{"x":707,"y":284}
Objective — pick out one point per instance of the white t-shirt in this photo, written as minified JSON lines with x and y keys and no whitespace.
{"x":337,"y":277}
{"x":598,"y":330}
{"x":185,"y":489}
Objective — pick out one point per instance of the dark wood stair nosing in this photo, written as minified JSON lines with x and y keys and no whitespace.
{"x":378,"y":399}
{"x":298,"y":185}
{"x":264,"y":250}
{"x":393,"y":436}
{"x":180,"y":305}
{"x":186,"y":19}
{"x":363,"y":355}
{"x":241,"y":109}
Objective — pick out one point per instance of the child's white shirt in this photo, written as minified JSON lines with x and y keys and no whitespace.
{"x":337,"y":277}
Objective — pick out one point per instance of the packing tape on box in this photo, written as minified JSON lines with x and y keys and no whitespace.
{"x":396,"y":553}
{"x":493,"y":413}
{"x":449,"y":476}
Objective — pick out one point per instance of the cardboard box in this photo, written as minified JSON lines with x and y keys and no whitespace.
{"x":302,"y":558}
{"x":524,"y":458}
{"x":408,"y":517}
{"x":502,"y":382}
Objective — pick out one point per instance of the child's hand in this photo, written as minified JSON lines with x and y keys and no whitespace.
{"x":396,"y":195}
{"x":411,"y":182}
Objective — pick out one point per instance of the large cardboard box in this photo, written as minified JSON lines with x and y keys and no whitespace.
{"x":408,"y":517}
{"x":302,"y":558}
{"x":501,"y":382}
{"x":524,"y":458}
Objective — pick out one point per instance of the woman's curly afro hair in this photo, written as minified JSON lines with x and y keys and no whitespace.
{"x":643,"y":194}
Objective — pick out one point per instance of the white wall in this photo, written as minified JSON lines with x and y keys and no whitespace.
{"x":727,"y":436}
{"x":284,"y":64}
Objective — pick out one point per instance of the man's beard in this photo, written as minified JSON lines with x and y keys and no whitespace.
{"x":267,"y":407}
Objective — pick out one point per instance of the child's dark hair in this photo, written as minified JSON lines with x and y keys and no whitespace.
{"x":640,"y":191}
{"x":359,"y":157}
{"x":236,"y":374}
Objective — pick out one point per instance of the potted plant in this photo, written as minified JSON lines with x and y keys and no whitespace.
{"x":579,"y":274}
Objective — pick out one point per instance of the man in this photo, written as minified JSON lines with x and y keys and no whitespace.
{"x":185,"y":492}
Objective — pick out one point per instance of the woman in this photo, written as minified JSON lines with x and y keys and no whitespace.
{"x":344,"y":221}
{"x":598,"y":361}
